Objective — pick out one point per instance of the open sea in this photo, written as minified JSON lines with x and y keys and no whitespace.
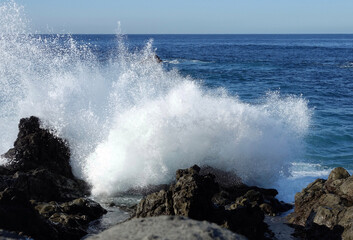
{"x":275,"y":109}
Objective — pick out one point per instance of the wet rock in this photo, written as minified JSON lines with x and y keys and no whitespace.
{"x":38,"y":148}
{"x":83,"y":206}
{"x":157,"y":58}
{"x":192,"y":193}
{"x":43,"y":185}
{"x":17,"y":214}
{"x":39,"y":195}
{"x":324,"y":209}
{"x":39,"y":165}
{"x":155,"y":204}
{"x":191,"y":196}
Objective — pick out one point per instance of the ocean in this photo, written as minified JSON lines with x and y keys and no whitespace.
{"x":277,"y":110}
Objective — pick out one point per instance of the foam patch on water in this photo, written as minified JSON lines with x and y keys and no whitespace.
{"x":130,"y":122}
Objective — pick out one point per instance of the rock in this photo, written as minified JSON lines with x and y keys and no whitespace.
{"x":6,"y":235}
{"x":38,"y":148}
{"x":191,"y":196}
{"x":39,"y":195}
{"x":47,"y":220}
{"x":192,"y":193}
{"x":83,"y":206}
{"x":346,"y":189}
{"x":324,"y":209}
{"x":338,"y":173}
{"x":43,"y":185}
{"x":39,"y":165}
{"x":223,"y":178}
{"x":155,"y":204}
{"x":17,"y":214}
{"x":167,"y":227}
{"x":157,"y":58}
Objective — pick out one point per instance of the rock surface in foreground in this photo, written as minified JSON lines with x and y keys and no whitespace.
{"x":324,"y":209}
{"x":39,"y":195}
{"x":167,"y":227}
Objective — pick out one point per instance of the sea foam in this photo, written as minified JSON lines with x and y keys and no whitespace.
{"x":130,"y":122}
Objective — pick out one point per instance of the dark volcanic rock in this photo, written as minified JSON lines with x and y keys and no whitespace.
{"x":38,"y":148}
{"x":43,"y":185}
{"x":324,"y":209}
{"x":39,"y":165}
{"x":191,"y":196}
{"x":36,"y":185}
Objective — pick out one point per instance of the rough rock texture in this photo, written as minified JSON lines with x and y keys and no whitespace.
{"x":200,"y":197}
{"x":167,"y":227}
{"x":38,"y":148}
{"x":39,"y":195}
{"x":324,"y":209}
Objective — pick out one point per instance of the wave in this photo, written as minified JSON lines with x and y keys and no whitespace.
{"x":130,"y":122}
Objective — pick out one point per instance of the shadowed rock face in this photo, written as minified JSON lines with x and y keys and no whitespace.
{"x":324,"y":209}
{"x":199,"y":196}
{"x":38,"y":148}
{"x":39,"y":195}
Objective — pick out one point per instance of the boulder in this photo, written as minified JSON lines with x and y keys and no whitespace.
{"x":39,"y":165}
{"x":167,"y":227}
{"x":39,"y":195}
{"x":39,"y":148}
{"x":324,"y":209}
{"x":191,"y":196}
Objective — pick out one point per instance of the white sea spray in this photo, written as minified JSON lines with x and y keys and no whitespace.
{"x":130,"y":122}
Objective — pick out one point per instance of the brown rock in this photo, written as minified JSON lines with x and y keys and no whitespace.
{"x":324,"y":208}
{"x":191,"y":196}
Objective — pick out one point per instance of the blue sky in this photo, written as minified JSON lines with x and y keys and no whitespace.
{"x":191,"y":16}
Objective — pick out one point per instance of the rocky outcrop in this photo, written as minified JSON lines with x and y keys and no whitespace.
{"x":197,"y":195}
{"x":167,"y":227}
{"x":39,"y":195}
{"x":324,"y":209}
{"x":38,"y":148}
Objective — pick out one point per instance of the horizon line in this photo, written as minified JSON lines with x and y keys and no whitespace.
{"x":194,"y":33}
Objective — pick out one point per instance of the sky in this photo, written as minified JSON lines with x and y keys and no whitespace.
{"x":190,"y":16}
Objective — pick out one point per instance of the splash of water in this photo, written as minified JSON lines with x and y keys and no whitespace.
{"x":129,"y":121}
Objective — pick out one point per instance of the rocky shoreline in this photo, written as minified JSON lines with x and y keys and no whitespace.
{"x":40,"y":198}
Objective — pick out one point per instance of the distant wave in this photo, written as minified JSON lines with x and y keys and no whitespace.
{"x":347,"y":65}
{"x":187,"y":61}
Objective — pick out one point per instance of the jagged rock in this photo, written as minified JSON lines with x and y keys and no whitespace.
{"x":167,"y":227}
{"x":17,"y":214}
{"x":36,"y":185}
{"x":83,"y":206}
{"x":47,"y":220}
{"x":324,"y":209}
{"x":157,"y":58}
{"x":191,"y":196}
{"x":192,"y":193}
{"x":39,"y":165}
{"x":38,"y":148}
{"x":43,"y":185}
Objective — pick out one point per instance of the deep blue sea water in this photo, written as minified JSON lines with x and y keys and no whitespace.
{"x":317,"y":67}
